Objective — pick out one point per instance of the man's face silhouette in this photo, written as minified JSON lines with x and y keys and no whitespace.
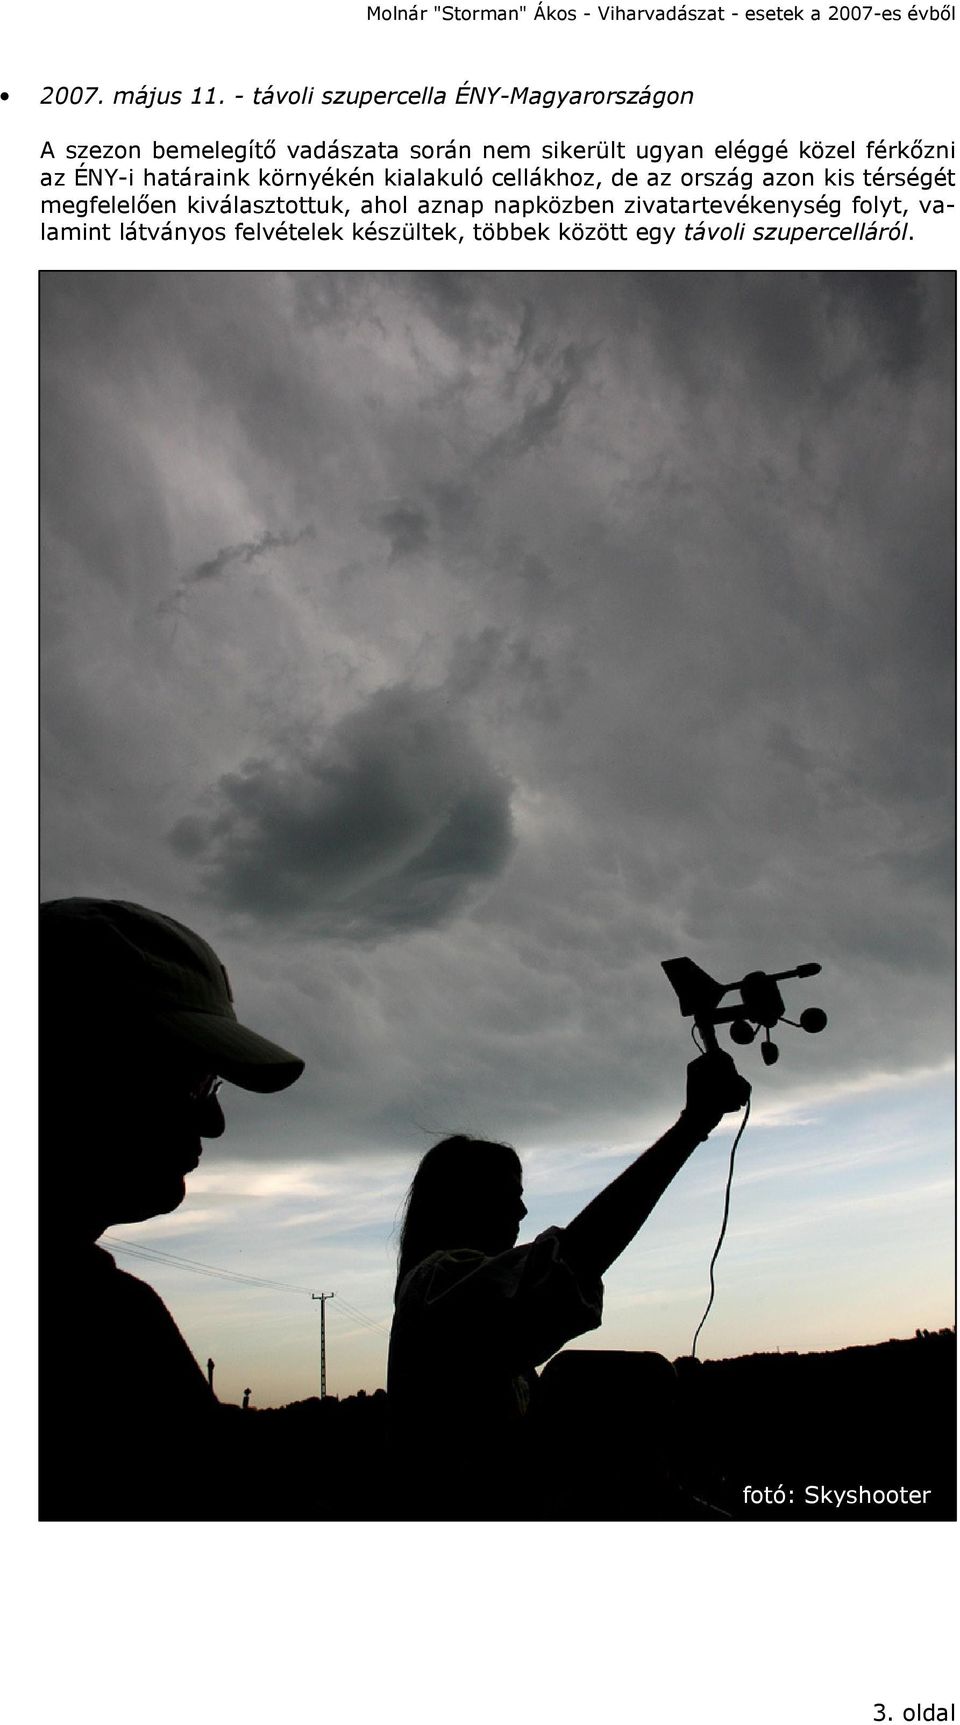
{"x":151,"y":1141}
{"x":121,"y":1142}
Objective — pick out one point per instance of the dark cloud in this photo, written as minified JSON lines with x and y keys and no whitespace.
{"x":553,"y":380}
{"x":456,"y":503}
{"x":390,"y":824}
{"x":248,"y":552}
{"x":404,"y":525}
{"x":894,"y":309}
{"x":244,"y":554}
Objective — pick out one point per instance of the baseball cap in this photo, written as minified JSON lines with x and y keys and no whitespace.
{"x":128,"y":965}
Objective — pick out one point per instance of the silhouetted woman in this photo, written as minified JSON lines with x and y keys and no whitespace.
{"x":475,"y":1314}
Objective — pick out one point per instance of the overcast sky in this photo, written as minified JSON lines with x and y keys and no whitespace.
{"x":450,"y":650}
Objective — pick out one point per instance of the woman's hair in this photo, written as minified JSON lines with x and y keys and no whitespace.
{"x":443,"y":1197}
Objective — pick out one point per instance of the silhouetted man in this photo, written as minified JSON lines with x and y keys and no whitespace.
{"x":138,"y":1030}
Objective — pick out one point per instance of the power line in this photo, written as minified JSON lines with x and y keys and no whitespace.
{"x":137,"y":1249}
{"x":205,"y":1269}
{"x":151,"y":1252}
{"x":131,"y":1251}
{"x":360,"y":1317}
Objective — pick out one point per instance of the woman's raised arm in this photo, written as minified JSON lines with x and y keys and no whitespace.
{"x":595,"y":1238}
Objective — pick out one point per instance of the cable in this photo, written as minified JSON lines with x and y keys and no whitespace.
{"x":163,"y":1263}
{"x":348,"y":1311}
{"x":202,"y":1269}
{"x":154,"y":1253}
{"x":723,"y":1229}
{"x":359,"y":1313}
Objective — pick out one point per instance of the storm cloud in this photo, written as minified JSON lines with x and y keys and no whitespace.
{"x":390,"y":823}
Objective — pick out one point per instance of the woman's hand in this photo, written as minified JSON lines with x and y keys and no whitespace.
{"x":609,"y":1222}
{"x":714,"y":1088}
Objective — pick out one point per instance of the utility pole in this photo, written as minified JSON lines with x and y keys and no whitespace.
{"x":323,"y":1298}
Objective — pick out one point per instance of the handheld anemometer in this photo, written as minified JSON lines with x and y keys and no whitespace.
{"x":760,"y":1007}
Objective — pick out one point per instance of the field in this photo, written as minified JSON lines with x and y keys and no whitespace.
{"x":864,"y":1434}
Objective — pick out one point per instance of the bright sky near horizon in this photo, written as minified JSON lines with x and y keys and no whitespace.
{"x":449,"y":650}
